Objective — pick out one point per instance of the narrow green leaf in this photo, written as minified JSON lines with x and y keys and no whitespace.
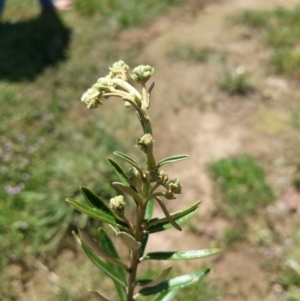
{"x":129,"y":241}
{"x":95,"y":201}
{"x":174,"y":283}
{"x":149,"y":209}
{"x":118,"y":170}
{"x":180,"y":255}
{"x":108,"y":246}
{"x":143,"y":244}
{"x":166,"y":225}
{"x":172,"y":159}
{"x":97,"y":214}
{"x":129,"y":160}
{"x":102,"y":265}
{"x":151,"y":88}
{"x":161,"y":223}
{"x":129,"y":191}
{"x":98,"y":296}
{"x":160,"y":278}
{"x":166,"y":296}
{"x":99,"y":251}
{"x":168,"y":216}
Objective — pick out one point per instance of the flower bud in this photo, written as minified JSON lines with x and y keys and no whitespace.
{"x":174,"y":186}
{"x":163,"y":177}
{"x":133,"y":177}
{"x":92,"y":97}
{"x":141,"y":74}
{"x":117,"y":205}
{"x":158,"y":176}
{"x":118,"y":70}
{"x":103,"y":84}
{"x":145,"y":143}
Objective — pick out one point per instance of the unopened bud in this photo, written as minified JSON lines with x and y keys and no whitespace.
{"x":174,"y":186}
{"x":141,"y":74}
{"x":163,"y":177}
{"x":92,"y":98}
{"x":158,"y":176}
{"x":118,"y":70}
{"x":145,"y":143}
{"x":133,"y":177}
{"x":117,"y":205}
{"x":104,"y":84}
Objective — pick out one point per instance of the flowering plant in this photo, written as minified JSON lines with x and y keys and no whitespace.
{"x":145,"y":185}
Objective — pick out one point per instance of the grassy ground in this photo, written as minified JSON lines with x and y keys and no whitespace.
{"x":50,"y":144}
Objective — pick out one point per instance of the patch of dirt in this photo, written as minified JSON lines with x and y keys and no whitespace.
{"x":192,"y":115}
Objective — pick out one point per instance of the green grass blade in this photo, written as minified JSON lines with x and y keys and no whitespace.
{"x":166,"y":296}
{"x":95,"y":201}
{"x":172,"y":159}
{"x":118,"y":170}
{"x":181,"y":255}
{"x":174,"y":283}
{"x":97,"y":214}
{"x":294,"y":265}
{"x":108,"y":246}
{"x":129,"y":160}
{"x":161,"y":223}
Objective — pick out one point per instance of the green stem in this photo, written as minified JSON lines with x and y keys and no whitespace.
{"x":147,"y":125}
{"x":147,"y":128}
{"x":135,"y":254}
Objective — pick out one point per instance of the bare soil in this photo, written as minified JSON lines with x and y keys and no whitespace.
{"x":192,"y":115}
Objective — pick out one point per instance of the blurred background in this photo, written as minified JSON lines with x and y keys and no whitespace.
{"x":227,"y":92}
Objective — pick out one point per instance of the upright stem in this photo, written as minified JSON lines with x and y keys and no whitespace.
{"x":135,"y":254}
{"x":140,"y":217}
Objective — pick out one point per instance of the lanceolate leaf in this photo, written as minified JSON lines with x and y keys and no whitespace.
{"x":166,"y":296}
{"x":159,"y":279}
{"x":172,"y":159}
{"x":97,"y":214}
{"x":108,"y":246}
{"x":149,"y":209}
{"x":102,"y":265}
{"x":129,"y":241}
{"x":168,"y":216}
{"x":181,"y":255}
{"x":130,"y":191}
{"x":99,"y":251}
{"x":95,"y":201}
{"x":129,"y":160}
{"x":118,"y":170}
{"x":174,"y":283}
{"x":144,"y":243}
{"x":162,"y":223}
